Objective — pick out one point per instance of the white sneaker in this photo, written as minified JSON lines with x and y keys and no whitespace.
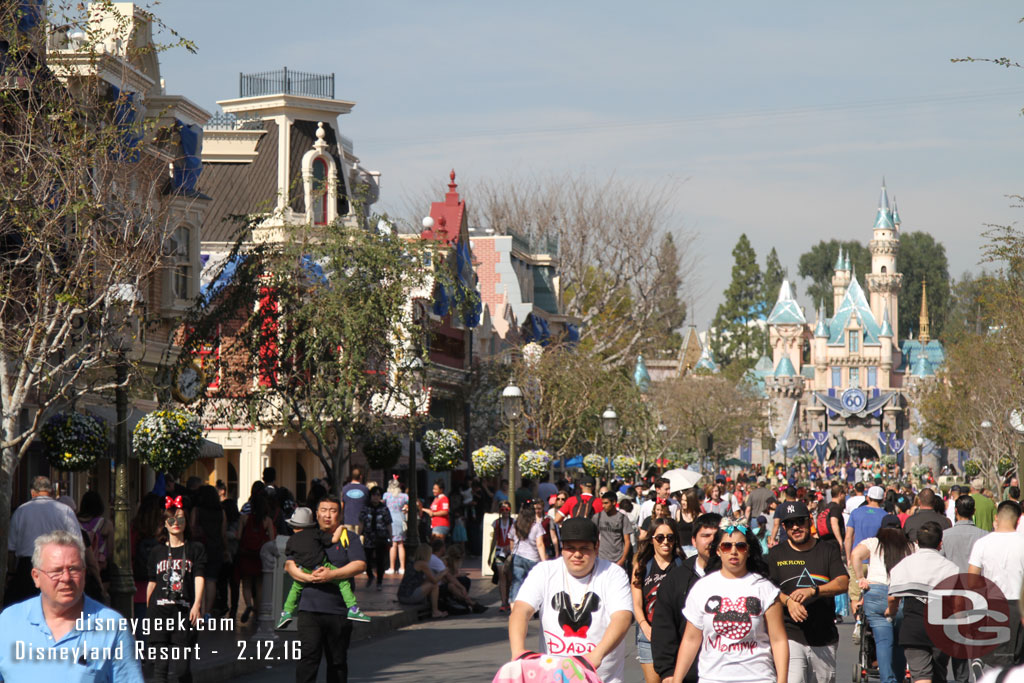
{"x":389,"y":571}
{"x":401,"y":571}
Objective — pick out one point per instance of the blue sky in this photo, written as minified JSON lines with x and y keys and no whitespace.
{"x":773,"y":119}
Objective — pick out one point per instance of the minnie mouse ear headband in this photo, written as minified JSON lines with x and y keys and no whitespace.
{"x":173,"y":502}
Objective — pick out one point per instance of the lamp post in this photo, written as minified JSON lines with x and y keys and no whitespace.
{"x":121,"y":300}
{"x":512,"y":408}
{"x":413,"y":369}
{"x":610,"y":426}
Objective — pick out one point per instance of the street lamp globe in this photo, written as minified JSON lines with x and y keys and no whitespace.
{"x":920,"y":441}
{"x":610,"y":421}
{"x":428,"y":223}
{"x":512,"y":401}
{"x":662,"y":428}
{"x":986,"y":424}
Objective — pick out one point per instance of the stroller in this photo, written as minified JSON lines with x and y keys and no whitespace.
{"x":866,"y":664}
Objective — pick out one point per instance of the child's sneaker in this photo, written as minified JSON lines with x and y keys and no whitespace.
{"x":286,"y":618}
{"x":389,"y":571}
{"x":356,"y":614}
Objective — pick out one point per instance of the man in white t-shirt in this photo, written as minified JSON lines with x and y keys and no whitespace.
{"x":585,"y":604}
{"x":854,"y":501}
{"x":999,"y":557}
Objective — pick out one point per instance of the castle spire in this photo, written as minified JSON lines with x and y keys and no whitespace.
{"x":883,"y":220}
{"x":839,"y":259}
{"x":924,"y":336}
{"x":895,"y":213}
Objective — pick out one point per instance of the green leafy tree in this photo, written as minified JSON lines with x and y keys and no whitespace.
{"x":818,"y":266}
{"x":774,"y":274}
{"x":922,"y":258}
{"x":669,"y":309}
{"x":330,"y":332}
{"x":738,"y":337}
{"x":968,"y":312}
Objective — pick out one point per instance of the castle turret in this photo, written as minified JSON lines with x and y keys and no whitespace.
{"x":883,"y":281}
{"x":819,"y":354}
{"x":885,"y":336}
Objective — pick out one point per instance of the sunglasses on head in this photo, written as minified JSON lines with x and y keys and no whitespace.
{"x":727,"y":546}
{"x":661,"y":538}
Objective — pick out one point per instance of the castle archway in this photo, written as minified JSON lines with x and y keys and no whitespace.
{"x":861,"y":449}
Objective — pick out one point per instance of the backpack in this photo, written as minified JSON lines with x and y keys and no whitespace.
{"x":822,"y":524}
{"x":583,"y":508}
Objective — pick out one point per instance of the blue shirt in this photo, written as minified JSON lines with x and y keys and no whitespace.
{"x":24,"y":633}
{"x":865,"y":522}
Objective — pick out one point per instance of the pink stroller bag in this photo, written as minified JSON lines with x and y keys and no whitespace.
{"x":531,"y":667}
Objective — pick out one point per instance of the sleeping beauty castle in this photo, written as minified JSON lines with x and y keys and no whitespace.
{"x":846,"y":384}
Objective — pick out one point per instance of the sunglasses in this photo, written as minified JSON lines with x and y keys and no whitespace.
{"x":799,"y":521}
{"x":662,"y":538}
{"x":727,"y":546}
{"x":176,"y":521}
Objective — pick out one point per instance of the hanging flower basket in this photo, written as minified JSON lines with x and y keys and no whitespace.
{"x":168,"y":440}
{"x":443,"y":448}
{"x":593,"y":465}
{"x":803,"y":459}
{"x":972,"y":468}
{"x":534,"y":464}
{"x":1005,"y":464}
{"x":919,"y":471}
{"x":382,"y":450}
{"x":488,"y":461}
{"x":625,"y":465}
{"x":888,"y":460}
{"x":74,"y":442}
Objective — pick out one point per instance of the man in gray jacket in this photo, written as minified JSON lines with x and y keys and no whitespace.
{"x":957,"y":542}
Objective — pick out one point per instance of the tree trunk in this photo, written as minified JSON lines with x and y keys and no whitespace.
{"x":10,"y":465}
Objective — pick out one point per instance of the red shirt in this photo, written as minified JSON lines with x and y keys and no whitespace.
{"x":567,"y":508}
{"x":439,"y":504}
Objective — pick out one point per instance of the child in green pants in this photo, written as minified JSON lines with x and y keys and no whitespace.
{"x":307,"y":549}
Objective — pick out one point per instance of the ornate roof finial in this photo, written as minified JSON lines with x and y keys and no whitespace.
{"x":924,"y":335}
{"x":321,"y":138}
{"x":452,"y":185}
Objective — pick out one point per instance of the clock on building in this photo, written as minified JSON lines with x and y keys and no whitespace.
{"x":1017,"y":420}
{"x":188,"y":383}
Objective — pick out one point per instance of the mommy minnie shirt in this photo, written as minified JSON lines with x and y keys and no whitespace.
{"x":574,"y":613}
{"x":730,"y":614}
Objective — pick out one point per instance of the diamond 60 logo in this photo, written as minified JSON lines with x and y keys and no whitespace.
{"x":967,"y":616}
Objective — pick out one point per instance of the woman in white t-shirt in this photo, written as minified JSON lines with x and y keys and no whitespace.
{"x":734,"y":618}
{"x":527,"y":547}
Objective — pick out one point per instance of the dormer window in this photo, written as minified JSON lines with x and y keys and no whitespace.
{"x":320,"y":181}
{"x":318,"y":200}
{"x":854,"y":341}
{"x":181,"y":263}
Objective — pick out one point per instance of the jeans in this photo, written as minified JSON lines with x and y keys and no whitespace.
{"x":377,"y":557}
{"x":323,"y":635}
{"x":891,"y":662}
{"x":520,"y":568}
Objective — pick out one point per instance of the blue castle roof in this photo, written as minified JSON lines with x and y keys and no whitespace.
{"x":854,"y":302}
{"x":785,"y":368}
{"x":786,"y":310}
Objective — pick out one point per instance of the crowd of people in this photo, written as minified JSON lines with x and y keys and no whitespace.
{"x":739,"y":580}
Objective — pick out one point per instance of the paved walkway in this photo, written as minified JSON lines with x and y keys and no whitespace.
{"x":246,"y":649}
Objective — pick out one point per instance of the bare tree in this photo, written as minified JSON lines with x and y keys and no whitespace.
{"x":83,"y":222}
{"x":608,"y":235}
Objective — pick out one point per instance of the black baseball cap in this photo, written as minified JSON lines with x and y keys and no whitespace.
{"x":792,"y":510}
{"x":579,"y":529}
{"x":891,"y":522}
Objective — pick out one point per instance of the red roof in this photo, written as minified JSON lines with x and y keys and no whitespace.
{"x":448,"y":216}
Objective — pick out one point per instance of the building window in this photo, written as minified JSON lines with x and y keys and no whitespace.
{"x":872,"y":376}
{"x":180,"y":262}
{"x":318,"y":197}
{"x":854,"y":342}
{"x":837,"y":377}
{"x":854,"y":377}
{"x":300,"y":482}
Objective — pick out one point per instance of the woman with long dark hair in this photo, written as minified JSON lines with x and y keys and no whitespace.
{"x":655,"y":559}
{"x":527,"y":547}
{"x":146,"y":528}
{"x":256,"y":528}
{"x":882,"y":553}
{"x":733,"y":615}
{"x":689,"y":510}
{"x":209,"y":526}
{"x":175,"y":591}
{"x":99,"y":528}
